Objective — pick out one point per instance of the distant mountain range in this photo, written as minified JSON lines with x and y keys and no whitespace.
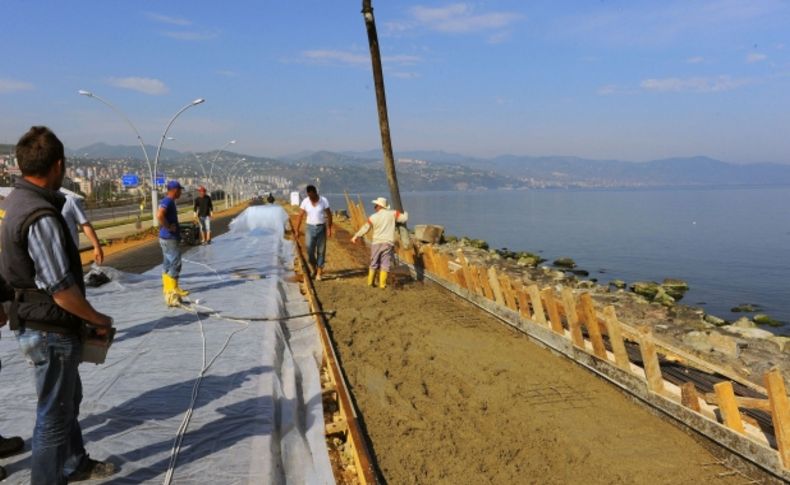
{"x":439,"y":170}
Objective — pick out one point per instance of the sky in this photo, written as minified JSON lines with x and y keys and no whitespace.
{"x":626,"y":80}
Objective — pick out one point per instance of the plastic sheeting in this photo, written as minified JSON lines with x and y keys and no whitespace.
{"x":257,"y":416}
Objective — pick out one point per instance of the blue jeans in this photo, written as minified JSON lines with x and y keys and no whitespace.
{"x":315,"y":237}
{"x":172,"y":257}
{"x":57,"y":438}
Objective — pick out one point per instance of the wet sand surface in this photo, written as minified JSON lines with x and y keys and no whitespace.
{"x":448,"y":394}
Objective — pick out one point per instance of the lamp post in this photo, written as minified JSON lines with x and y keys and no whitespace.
{"x":151,"y":169}
{"x":216,"y":157}
{"x":228,"y":174}
{"x":89,"y":94}
{"x":154,"y":193}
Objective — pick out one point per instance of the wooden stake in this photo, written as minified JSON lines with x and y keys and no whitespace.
{"x":493,"y":280}
{"x":616,"y":338}
{"x":725,"y":396}
{"x":780,"y":413}
{"x":523,"y":303}
{"x":655,"y":382}
{"x":591,"y":319}
{"x":482,"y":275}
{"x":507,"y":292}
{"x":569,"y":304}
{"x":689,"y":397}
{"x":469,"y":281}
{"x":537,"y":305}
{"x":547,"y":294}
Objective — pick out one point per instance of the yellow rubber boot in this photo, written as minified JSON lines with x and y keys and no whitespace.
{"x":371,"y":277}
{"x":180,"y":291}
{"x":168,"y":288}
{"x":383,"y":279}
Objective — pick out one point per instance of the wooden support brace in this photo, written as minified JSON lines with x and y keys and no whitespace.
{"x":689,"y":397}
{"x":493,"y":280}
{"x":469,"y":281}
{"x":537,"y":305}
{"x":547,"y":294}
{"x":725,"y":396}
{"x":655,"y":382}
{"x":482,"y":275}
{"x":593,"y":329}
{"x":743,"y":402}
{"x":780,"y":413}
{"x":569,"y":304}
{"x":507,"y":292}
{"x":523,"y":302}
{"x":616,"y":338}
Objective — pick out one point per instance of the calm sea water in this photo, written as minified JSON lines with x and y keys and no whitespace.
{"x":731,"y":245}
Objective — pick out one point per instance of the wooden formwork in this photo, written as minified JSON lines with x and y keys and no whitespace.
{"x":569,"y":322}
{"x":348,"y":425}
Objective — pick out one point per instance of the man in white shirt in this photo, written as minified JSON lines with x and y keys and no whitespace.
{"x":76,"y":218}
{"x":319,"y":226}
{"x":382,"y":248}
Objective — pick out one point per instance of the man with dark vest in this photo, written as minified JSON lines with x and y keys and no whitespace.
{"x":49,"y":312}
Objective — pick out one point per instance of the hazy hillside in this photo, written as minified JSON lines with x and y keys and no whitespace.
{"x":103,"y":150}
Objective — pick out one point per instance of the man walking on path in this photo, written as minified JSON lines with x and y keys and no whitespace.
{"x":319,"y":227}
{"x":169,"y":238}
{"x":204,"y":210}
{"x":381,"y":250}
{"x":49,"y":312}
{"x":75,"y":218}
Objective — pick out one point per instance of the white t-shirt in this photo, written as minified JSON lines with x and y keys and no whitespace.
{"x":75,"y":217}
{"x":315,"y":213}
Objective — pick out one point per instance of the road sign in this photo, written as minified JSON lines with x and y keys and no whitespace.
{"x":130,"y":180}
{"x":160,"y":179}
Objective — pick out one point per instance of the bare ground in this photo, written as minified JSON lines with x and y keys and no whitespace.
{"x":450,"y":395}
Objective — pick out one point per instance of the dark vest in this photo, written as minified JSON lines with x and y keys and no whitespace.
{"x":32,"y":307}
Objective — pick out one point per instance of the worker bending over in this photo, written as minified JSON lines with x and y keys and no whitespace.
{"x":383,"y":223}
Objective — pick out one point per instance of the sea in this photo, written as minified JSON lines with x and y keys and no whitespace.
{"x":732,"y":245}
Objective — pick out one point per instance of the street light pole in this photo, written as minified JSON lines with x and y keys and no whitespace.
{"x":216,"y":157}
{"x":89,"y":94}
{"x":154,"y":193}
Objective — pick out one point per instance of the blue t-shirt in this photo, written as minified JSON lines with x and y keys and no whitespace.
{"x":171,"y":216}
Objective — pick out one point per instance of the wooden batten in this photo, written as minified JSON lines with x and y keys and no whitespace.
{"x":537,"y":305}
{"x":482,"y":275}
{"x":780,"y":413}
{"x":725,"y":395}
{"x":743,"y":402}
{"x":547,"y":294}
{"x":507,"y":292}
{"x":427,"y":253}
{"x":470,"y":282}
{"x":493,"y":281}
{"x":523,"y":302}
{"x":569,"y":304}
{"x":689,"y":396}
{"x":444,"y":265}
{"x":616,"y":338}
{"x":591,"y":320}
{"x":647,"y":346}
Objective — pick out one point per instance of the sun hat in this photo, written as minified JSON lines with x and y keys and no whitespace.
{"x":381,"y":202}
{"x":173,"y":184}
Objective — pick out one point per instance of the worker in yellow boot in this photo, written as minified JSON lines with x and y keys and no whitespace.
{"x":169,"y":238}
{"x":383,"y":245}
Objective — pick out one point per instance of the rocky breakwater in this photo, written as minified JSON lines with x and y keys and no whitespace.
{"x":739,"y":346}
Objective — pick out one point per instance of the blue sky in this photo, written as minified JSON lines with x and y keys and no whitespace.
{"x":627,"y":80}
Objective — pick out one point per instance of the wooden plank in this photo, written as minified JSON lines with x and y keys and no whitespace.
{"x":780,"y":413}
{"x":493,"y":280}
{"x":725,"y":395}
{"x":593,"y":329}
{"x":537,"y":305}
{"x":547,"y":294}
{"x":743,"y":402}
{"x":569,"y":304}
{"x":458,"y":278}
{"x":482,"y":276}
{"x":444,"y":265}
{"x":430,"y":263}
{"x":655,"y":382}
{"x":616,"y":338}
{"x":523,"y":303}
{"x":507,"y":292}
{"x":468,"y":279}
{"x":689,"y":397}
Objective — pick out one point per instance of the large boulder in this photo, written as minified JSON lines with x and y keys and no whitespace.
{"x":675,"y":288}
{"x":565,"y":263}
{"x":428,"y":233}
{"x":648,"y":289}
{"x":712,"y":341}
{"x":763,"y":319}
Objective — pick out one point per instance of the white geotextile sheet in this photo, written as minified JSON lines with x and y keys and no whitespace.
{"x":258,"y":414}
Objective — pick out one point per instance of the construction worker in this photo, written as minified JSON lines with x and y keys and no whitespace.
{"x":169,"y":238}
{"x":319,"y":226}
{"x":204,"y":210}
{"x":74,"y":214}
{"x":381,"y":250}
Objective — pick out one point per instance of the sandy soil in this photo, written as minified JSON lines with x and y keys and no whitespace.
{"x":450,"y":395}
